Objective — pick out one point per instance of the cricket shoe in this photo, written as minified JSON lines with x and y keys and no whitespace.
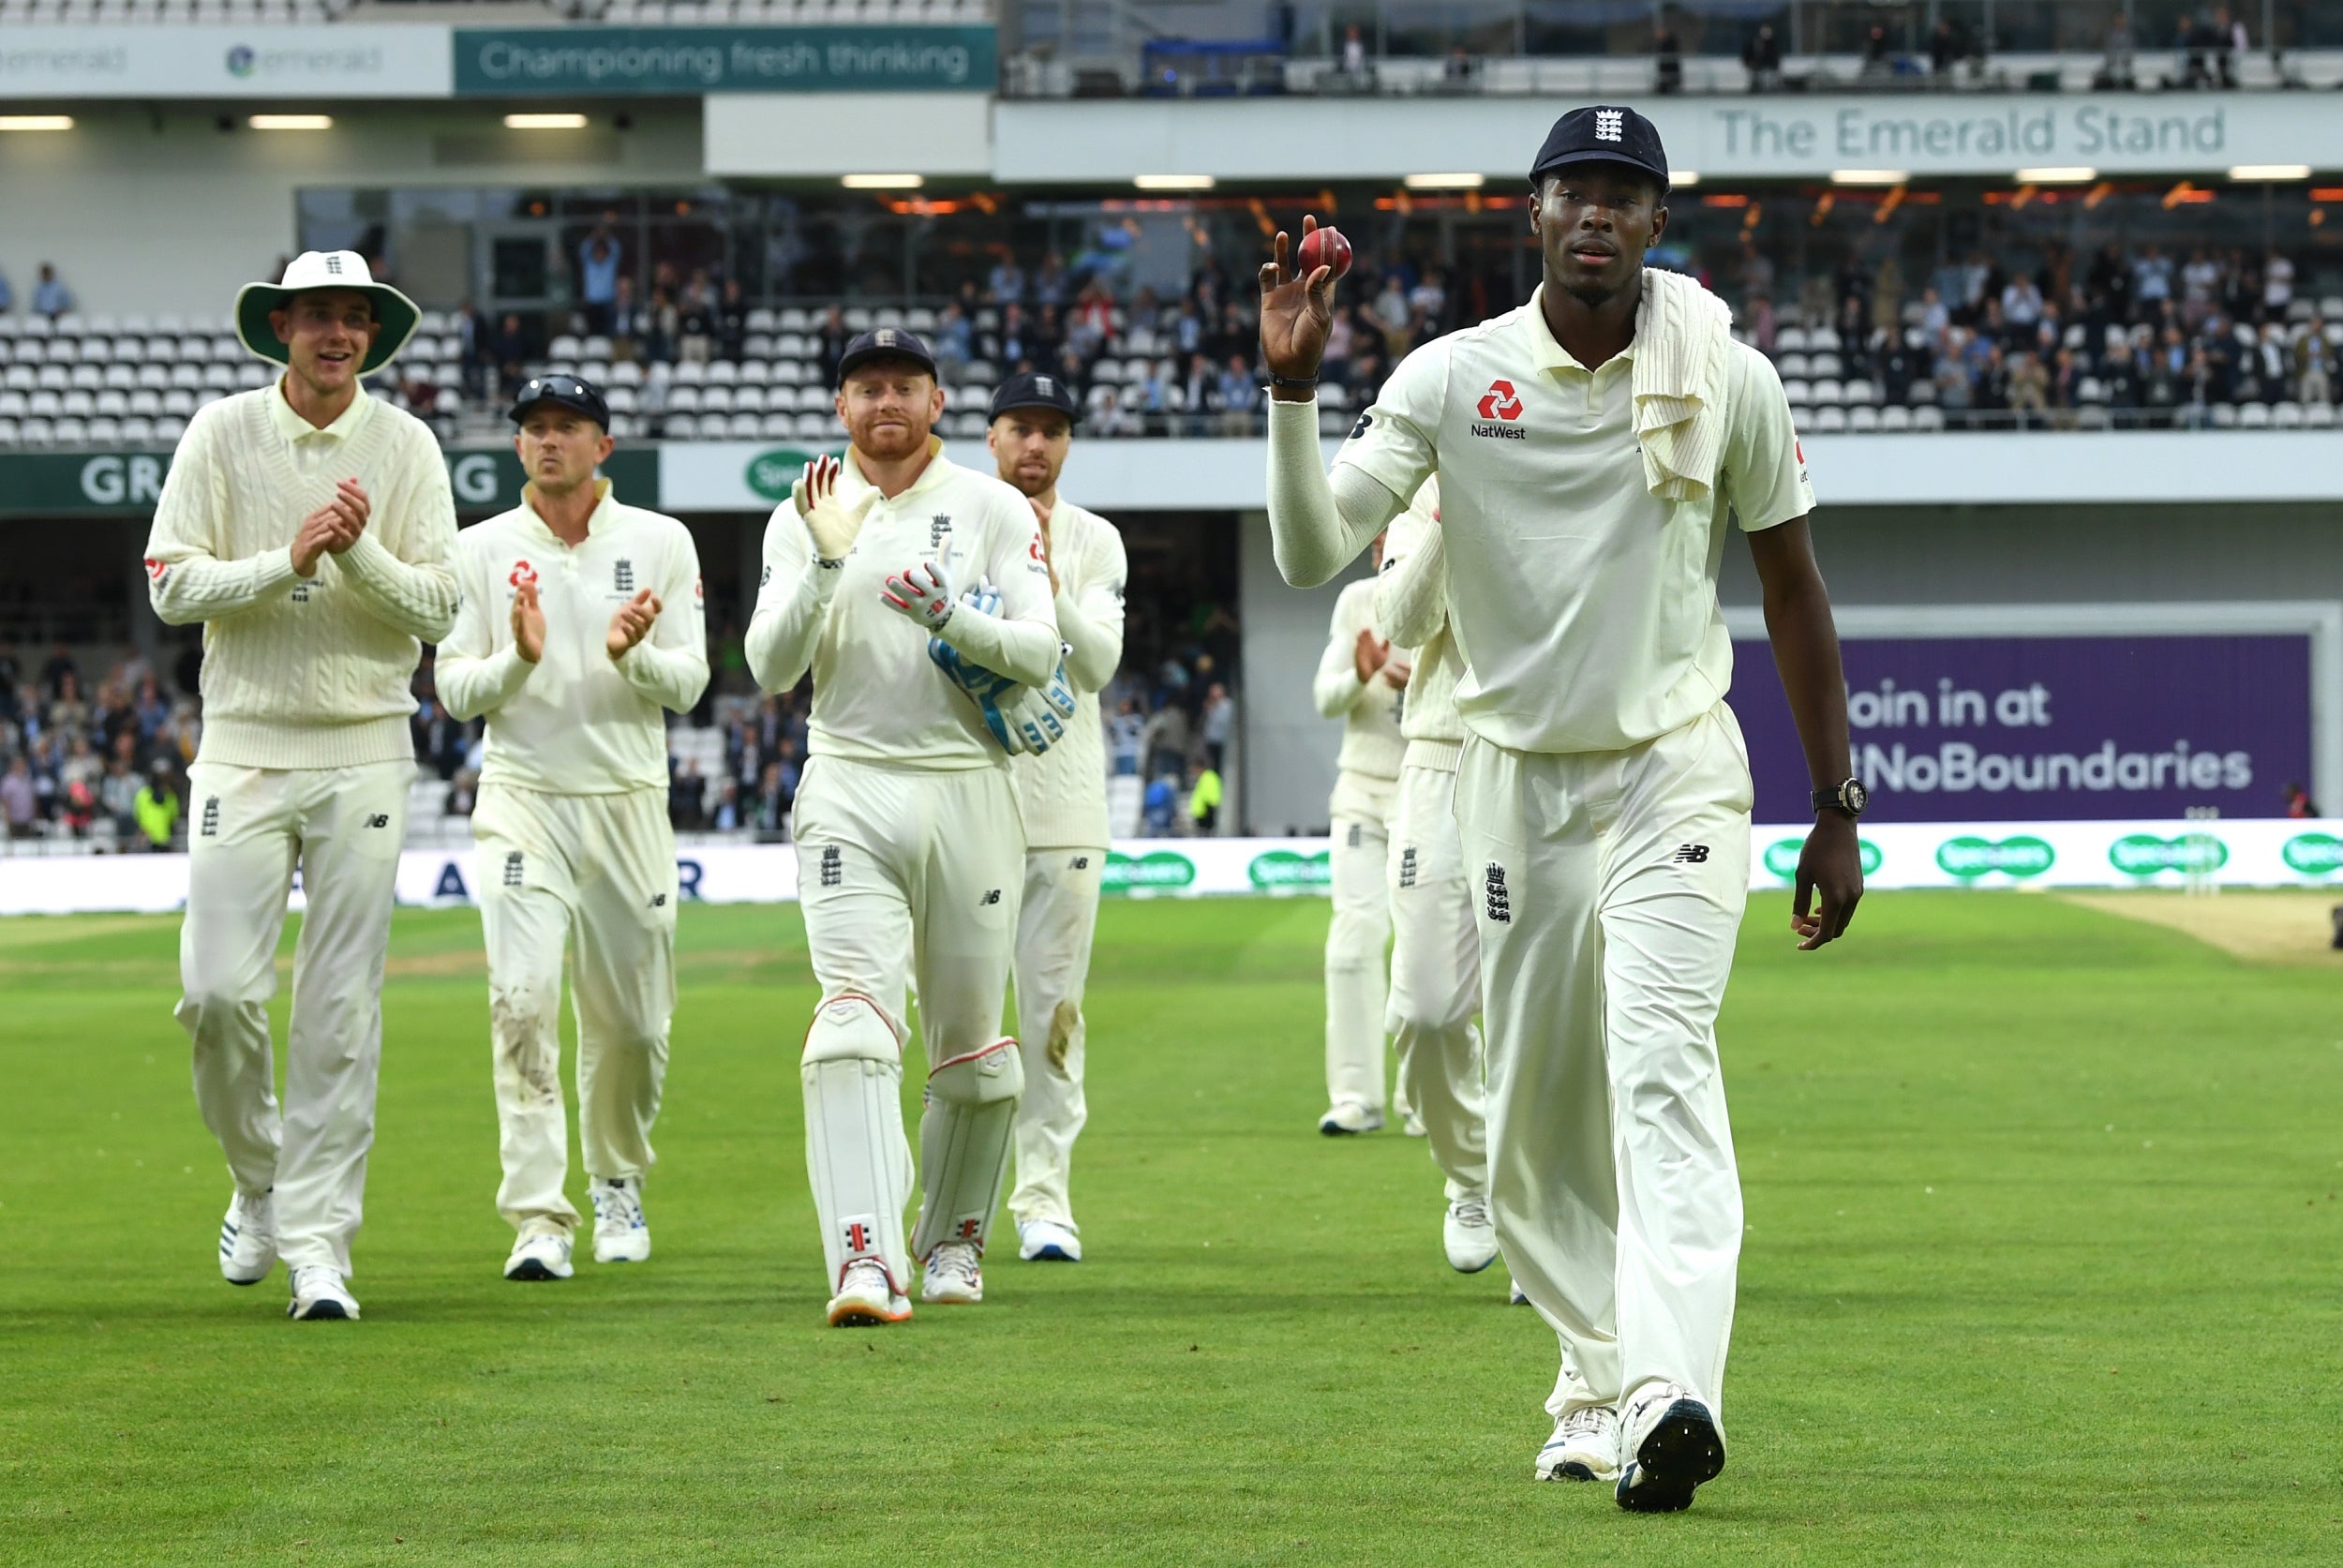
{"x":1469,"y":1234}
{"x":1514,"y":1294}
{"x":248,"y":1239}
{"x":318,"y":1294}
{"x":622,"y":1234}
{"x":953,"y":1278}
{"x":1413,"y":1127}
{"x":1046,"y":1241}
{"x":1584,"y":1447}
{"x":866,"y":1297}
{"x":1346,"y":1120}
{"x":540,"y":1255}
{"x":1672,"y":1446}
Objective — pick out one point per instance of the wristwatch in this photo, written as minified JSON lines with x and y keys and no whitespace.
{"x":1848,"y":799}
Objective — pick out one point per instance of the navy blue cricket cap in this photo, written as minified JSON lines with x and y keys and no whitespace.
{"x":1602,"y":134}
{"x":1034,"y":389}
{"x":885,"y":343}
{"x":562,"y":390}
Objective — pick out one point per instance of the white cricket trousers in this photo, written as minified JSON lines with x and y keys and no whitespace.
{"x":1436,"y":977}
{"x":899,"y":862}
{"x":1356,"y":940}
{"x":249,"y":827}
{"x":1054,"y":928}
{"x":1611,"y":889}
{"x":598,"y":871}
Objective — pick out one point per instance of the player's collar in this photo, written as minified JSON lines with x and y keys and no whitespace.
{"x":598,"y":522}
{"x":293,"y":427}
{"x":1546,"y":352}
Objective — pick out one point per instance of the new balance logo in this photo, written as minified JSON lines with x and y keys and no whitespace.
{"x":379,"y":819}
{"x":833,"y":866}
{"x":1610,"y":125}
{"x":1691,"y":855}
{"x":659,"y":900}
{"x":1360,"y":429}
{"x":765,"y":577}
{"x":211,"y":817}
{"x":622,"y":575}
{"x":1500,"y":902}
{"x":1355,"y":832}
{"x":512,"y":869}
{"x":1081,"y":862}
{"x":1406,"y":867}
{"x":992,"y":896}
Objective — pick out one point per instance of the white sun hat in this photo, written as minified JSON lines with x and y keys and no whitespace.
{"x":326,"y":269}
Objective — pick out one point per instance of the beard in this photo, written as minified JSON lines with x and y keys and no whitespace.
{"x":889,"y":442}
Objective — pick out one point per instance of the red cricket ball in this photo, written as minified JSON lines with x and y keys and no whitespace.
{"x":1324,"y":248}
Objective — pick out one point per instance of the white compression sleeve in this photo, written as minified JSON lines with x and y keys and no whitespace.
{"x":1318,"y":526}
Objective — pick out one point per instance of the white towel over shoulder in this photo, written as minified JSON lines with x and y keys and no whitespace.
{"x":1683,"y":338}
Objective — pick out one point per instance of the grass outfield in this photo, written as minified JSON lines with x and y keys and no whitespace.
{"x":2042,"y":1269}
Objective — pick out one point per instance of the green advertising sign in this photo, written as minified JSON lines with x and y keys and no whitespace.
{"x":771,"y":473}
{"x":1284,"y":871}
{"x":1157,"y":871}
{"x":2020,"y":856}
{"x":2144,"y":854}
{"x":2314,"y":853}
{"x":687,"y":61}
{"x":64,"y":483}
{"x":1781,"y":856}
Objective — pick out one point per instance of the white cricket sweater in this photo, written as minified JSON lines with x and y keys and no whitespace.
{"x":576,"y":721}
{"x":1062,"y":794}
{"x":314,"y":673}
{"x":1412,"y":603}
{"x":878,"y":698}
{"x":1372,"y":748}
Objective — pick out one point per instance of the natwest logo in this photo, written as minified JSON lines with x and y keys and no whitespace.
{"x":1500,"y":401}
{"x":523,"y":576}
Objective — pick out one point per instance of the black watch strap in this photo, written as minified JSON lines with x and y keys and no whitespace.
{"x":1848,"y":797}
{"x":1293,"y":383}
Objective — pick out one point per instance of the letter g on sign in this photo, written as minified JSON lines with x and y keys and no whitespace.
{"x":473,"y":478}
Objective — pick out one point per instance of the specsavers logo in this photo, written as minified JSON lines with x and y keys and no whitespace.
{"x":1157,"y":871}
{"x":771,"y":473}
{"x":1283,"y":870}
{"x":1969,"y":856}
{"x":2314,"y":853}
{"x":1781,"y":856}
{"x":2144,"y":854}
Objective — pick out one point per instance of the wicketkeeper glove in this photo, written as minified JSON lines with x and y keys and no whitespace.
{"x":832,"y":524}
{"x":989,"y":691}
{"x":924,"y":593}
{"x":1038,"y":715}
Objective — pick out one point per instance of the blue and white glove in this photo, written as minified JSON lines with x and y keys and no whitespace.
{"x":1038,"y":715}
{"x":989,"y":691}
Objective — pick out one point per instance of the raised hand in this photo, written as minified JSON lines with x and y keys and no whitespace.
{"x":833,"y":525}
{"x":922,"y":593}
{"x":630,"y":623}
{"x":1367,"y":655}
{"x":351,"y":504}
{"x":1041,"y":516}
{"x":528,"y":624}
{"x":1296,"y":313}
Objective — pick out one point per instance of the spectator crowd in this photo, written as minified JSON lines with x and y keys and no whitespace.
{"x":102,"y":760}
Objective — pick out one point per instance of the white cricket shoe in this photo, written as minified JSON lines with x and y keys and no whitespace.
{"x":1671,"y":1446}
{"x":1514,"y":1294}
{"x":1046,"y":1241}
{"x":248,"y":1239}
{"x":866,"y":1297}
{"x":622,"y":1234}
{"x":540,"y":1255}
{"x":1469,"y":1234}
{"x":953,"y":1278}
{"x":1346,"y":1119}
{"x":319,"y":1293}
{"x":1413,"y":1126}
{"x":1584,"y":1447}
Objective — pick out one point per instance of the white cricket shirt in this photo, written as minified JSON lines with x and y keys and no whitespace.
{"x":877,"y":696}
{"x":1412,"y":603}
{"x":1372,"y":748}
{"x":1584,"y":606}
{"x":1062,"y":794}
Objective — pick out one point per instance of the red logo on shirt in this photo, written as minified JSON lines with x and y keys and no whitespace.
{"x":1500,"y":401}
{"x":524,"y":575}
{"x":699,"y":590}
{"x":155,"y":569}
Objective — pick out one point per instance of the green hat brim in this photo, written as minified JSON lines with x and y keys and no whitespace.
{"x":394,"y":310}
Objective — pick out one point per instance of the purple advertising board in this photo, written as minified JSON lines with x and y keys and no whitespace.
{"x":2048,"y":729}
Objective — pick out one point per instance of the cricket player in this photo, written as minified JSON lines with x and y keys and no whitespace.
{"x":908,"y":837}
{"x":1435,"y":951}
{"x":582,"y":625}
{"x":1595,"y":449}
{"x":1362,"y":681}
{"x":308,"y":527}
{"x":1062,"y":796}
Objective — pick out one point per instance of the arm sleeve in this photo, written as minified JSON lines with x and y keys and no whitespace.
{"x":1317,"y":527}
{"x":473,"y":675}
{"x":793,"y":596}
{"x":399,"y":566}
{"x":184,"y":581}
{"x":1091,"y":624}
{"x":1022,"y":642}
{"x":1411,"y":595}
{"x":670,"y":665}
{"x":1337,"y":688}
{"x":1764,"y":467}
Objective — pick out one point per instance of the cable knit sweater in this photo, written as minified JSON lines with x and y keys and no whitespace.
{"x":1411,"y":604}
{"x":1062,"y":794}
{"x":304,"y":673}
